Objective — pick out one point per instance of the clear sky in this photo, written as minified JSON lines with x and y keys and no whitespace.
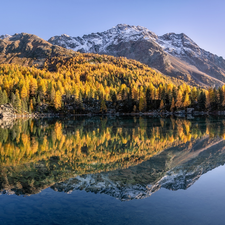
{"x":202,"y":20}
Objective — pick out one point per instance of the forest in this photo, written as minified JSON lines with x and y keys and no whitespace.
{"x":99,"y":83}
{"x":34,"y":154}
{"x":100,"y":144}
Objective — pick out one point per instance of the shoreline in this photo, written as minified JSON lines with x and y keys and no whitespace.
{"x":153,"y":114}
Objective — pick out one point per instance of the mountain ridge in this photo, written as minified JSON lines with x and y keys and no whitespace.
{"x":173,"y":54}
{"x":28,"y":49}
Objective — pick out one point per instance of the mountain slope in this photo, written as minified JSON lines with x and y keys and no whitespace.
{"x":30,"y":50}
{"x":27,"y":49}
{"x":172,"y":54}
{"x":173,"y":169}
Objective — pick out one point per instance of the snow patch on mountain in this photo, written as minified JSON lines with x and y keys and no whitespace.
{"x":178,"y":45}
{"x":106,"y":186}
{"x":5,"y":36}
{"x":174,"y":44}
{"x":99,"y":42}
{"x":101,"y":183}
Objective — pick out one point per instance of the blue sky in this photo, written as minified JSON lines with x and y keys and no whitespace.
{"x":202,"y":20}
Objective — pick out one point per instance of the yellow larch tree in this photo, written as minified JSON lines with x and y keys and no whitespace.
{"x":23,"y":92}
{"x":58,"y":100}
{"x":179,"y":99}
{"x":186,"y":102}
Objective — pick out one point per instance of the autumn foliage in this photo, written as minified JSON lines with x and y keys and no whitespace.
{"x":105,"y":78}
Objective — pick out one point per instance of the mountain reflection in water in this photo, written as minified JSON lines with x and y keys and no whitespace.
{"x":125,"y":157}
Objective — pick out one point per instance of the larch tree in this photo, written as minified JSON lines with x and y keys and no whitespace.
{"x":186,"y":102}
{"x":58,"y":100}
{"x":52,"y":95}
{"x":23,"y":92}
{"x":33,"y":86}
{"x":179,"y":103}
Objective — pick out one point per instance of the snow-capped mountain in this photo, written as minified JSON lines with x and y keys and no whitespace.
{"x":175,"y":168}
{"x":101,"y":42}
{"x":180,"y":171}
{"x":101,"y":183}
{"x":172,"y":54}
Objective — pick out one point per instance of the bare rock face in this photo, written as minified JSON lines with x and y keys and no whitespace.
{"x":172,"y":54}
{"x":7,"y":110}
{"x":7,"y":115}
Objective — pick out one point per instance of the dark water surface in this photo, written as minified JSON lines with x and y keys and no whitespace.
{"x":124,"y":170}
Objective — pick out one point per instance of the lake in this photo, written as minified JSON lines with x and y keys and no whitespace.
{"x":113,"y":170}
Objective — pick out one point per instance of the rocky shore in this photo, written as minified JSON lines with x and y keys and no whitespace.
{"x":8,"y":114}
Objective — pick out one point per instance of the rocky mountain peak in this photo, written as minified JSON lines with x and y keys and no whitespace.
{"x":173,"y":54}
{"x":124,"y":29}
{"x":121,"y":28}
{"x":99,"y":42}
{"x":177,"y":44}
{"x":5,"y":36}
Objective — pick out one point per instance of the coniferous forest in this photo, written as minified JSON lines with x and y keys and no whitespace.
{"x":91,"y":83}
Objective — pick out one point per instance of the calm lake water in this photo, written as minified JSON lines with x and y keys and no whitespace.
{"x":119,"y":170}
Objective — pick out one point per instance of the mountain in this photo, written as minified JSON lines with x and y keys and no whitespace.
{"x":175,"y":168}
{"x":28,"y":49}
{"x":118,"y":160}
{"x":172,"y":54}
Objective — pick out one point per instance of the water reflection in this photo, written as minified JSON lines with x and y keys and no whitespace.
{"x":127,"y":157}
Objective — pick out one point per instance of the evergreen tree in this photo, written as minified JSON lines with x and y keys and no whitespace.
{"x":113,"y":96}
{"x":148,"y":98}
{"x":103,"y":107}
{"x":207,"y":101}
{"x":174,"y":93}
{"x":172,"y":105}
{"x":202,"y":100}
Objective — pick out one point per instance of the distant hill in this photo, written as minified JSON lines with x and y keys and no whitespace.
{"x":28,"y":50}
